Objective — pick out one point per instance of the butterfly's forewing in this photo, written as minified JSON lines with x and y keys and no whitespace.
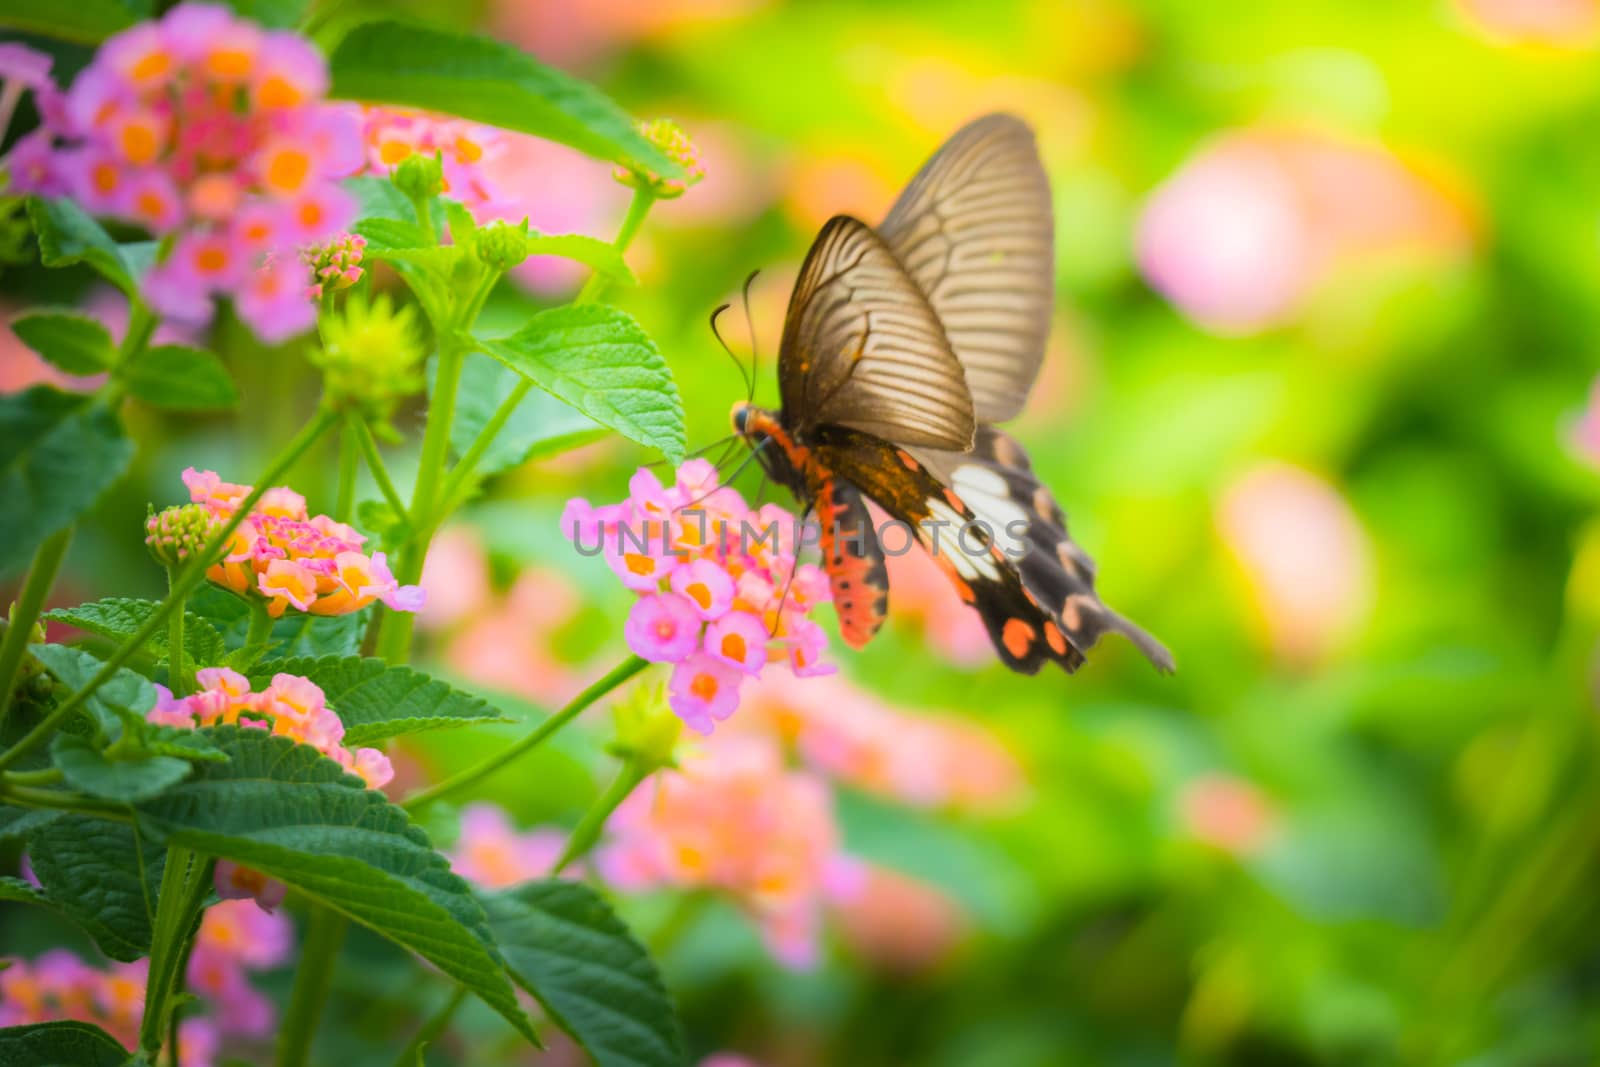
{"x":974,"y":230}
{"x":862,"y":348}
{"x":997,"y":483}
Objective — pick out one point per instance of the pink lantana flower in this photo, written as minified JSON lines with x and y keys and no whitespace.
{"x":204,"y":126}
{"x":493,"y":854}
{"x":293,"y":559}
{"x":721,"y":593}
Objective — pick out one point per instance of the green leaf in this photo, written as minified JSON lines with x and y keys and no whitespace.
{"x":564,"y":945}
{"x":125,"y":696}
{"x":376,"y":701}
{"x":18,"y":822}
{"x":292,"y":635}
{"x":599,"y":360}
{"x":17,"y":891}
{"x":103,"y":876}
{"x":119,"y":618}
{"x":540,"y":426}
{"x":597,"y":255}
{"x":68,"y":235}
{"x":487,"y":81}
{"x":89,"y":770}
{"x":71,"y":342}
{"x":291,"y":813}
{"x":383,"y":521}
{"x":179,"y":378}
{"x":58,"y":453}
{"x":387,"y":235}
{"x":65,"y":1043}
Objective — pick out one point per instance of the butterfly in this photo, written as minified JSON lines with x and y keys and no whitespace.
{"x":902,"y":347}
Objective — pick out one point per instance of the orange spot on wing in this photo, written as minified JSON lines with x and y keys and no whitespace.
{"x":1052,"y":636}
{"x":1018,"y":637}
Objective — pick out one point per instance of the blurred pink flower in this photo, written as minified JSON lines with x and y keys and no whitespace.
{"x":455,"y":578}
{"x":235,"y":938}
{"x":733,"y":818}
{"x":491,"y":853}
{"x":1245,"y":229}
{"x":1227,"y":813}
{"x":203,"y":125}
{"x":506,"y":645}
{"x":1552,"y":23}
{"x":728,"y":1059}
{"x":581,"y":30}
{"x":900,"y":923}
{"x":1304,"y":555}
{"x":1585,"y":434}
{"x":927,"y":761}
{"x":234,"y":882}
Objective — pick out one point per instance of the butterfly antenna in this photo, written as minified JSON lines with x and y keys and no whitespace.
{"x":702,"y":450}
{"x":747,"y":377}
{"x":750,"y":326}
{"x":754,"y":452}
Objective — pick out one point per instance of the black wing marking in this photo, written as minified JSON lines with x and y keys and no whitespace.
{"x":862,"y":348}
{"x":975,"y":231}
{"x":997,"y":482}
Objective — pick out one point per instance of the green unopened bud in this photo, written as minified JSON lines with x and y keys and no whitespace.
{"x":419,"y":177}
{"x":647,"y":730}
{"x":501,"y":246}
{"x":372,"y":355}
{"x":669,"y":137}
{"x":175,"y":534}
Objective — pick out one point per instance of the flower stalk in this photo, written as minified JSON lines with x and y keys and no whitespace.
{"x":41,"y":576}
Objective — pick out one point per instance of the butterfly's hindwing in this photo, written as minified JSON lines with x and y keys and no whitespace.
{"x":1053,"y":569}
{"x":853,"y":559}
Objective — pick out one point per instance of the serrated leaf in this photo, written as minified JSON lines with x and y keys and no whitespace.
{"x":564,"y":945}
{"x":487,"y":81}
{"x":68,"y":235}
{"x":597,"y":255}
{"x":376,"y":701}
{"x":540,"y":426}
{"x":64,"y":1043}
{"x":292,"y":635}
{"x":18,"y":822}
{"x":119,"y":618}
{"x":89,"y":770}
{"x":179,"y":378}
{"x":386,"y":234}
{"x":67,"y":340}
{"x":181,"y":743}
{"x":291,"y":813}
{"x":124,"y":696}
{"x":58,"y":453}
{"x":91,"y":870}
{"x":599,"y":360}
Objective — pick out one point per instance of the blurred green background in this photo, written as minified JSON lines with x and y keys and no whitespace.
{"x":1329,"y":312}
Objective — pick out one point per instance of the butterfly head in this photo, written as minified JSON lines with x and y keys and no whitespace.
{"x":778,"y":453}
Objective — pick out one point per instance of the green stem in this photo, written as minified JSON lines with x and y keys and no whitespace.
{"x":588,"y":829}
{"x":313,"y":977}
{"x":349,"y":462}
{"x":194,"y":573}
{"x":394,"y":629}
{"x":41,"y":576}
{"x":260,"y":628}
{"x":617,"y":675}
{"x":56,"y":800}
{"x":375,"y":464}
{"x":183,"y":890}
{"x":177,"y":675}
{"x":47,"y":776}
{"x":436,"y":1024}
{"x":638,"y":208}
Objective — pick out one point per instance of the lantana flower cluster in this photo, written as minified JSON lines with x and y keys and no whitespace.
{"x":291,"y":706}
{"x":492,"y":853}
{"x":720,"y":592}
{"x":205,"y":128}
{"x":669,"y":137}
{"x":235,"y":939}
{"x":292,"y":559}
{"x":734,"y":818}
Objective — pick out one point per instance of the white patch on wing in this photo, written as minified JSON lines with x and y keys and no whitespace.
{"x":941,"y":535}
{"x":986,"y":494}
